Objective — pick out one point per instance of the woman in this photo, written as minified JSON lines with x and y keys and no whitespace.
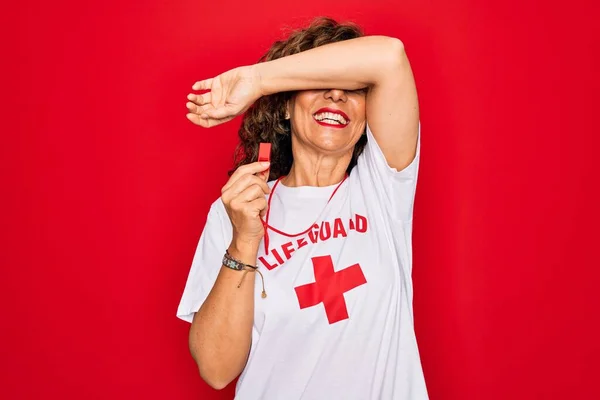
{"x":330,"y":229}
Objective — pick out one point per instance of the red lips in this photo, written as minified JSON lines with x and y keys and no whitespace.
{"x":332,"y":110}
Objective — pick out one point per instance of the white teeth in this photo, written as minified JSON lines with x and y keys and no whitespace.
{"x":331,"y":118}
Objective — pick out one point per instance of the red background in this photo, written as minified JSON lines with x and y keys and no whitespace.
{"x":106,"y":186}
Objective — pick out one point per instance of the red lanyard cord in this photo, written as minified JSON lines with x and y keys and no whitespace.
{"x":266,"y":222}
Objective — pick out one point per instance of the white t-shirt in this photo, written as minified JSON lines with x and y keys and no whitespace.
{"x":351,"y":334}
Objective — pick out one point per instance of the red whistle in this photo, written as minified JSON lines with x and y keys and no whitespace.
{"x":264,"y":152}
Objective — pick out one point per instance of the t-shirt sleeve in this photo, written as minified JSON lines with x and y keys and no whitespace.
{"x":206,"y":263}
{"x":392,"y":189}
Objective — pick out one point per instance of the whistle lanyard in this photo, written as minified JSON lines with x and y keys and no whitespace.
{"x":266,"y":221}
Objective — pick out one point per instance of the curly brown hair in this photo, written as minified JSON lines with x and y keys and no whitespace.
{"x":265,"y":119}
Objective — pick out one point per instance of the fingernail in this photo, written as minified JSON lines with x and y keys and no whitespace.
{"x":265,"y":163}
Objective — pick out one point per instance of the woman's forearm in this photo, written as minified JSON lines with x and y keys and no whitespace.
{"x":350,"y":64}
{"x":221,"y":333}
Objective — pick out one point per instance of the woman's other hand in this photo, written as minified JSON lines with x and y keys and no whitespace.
{"x":231,"y":94}
{"x":244,"y":199}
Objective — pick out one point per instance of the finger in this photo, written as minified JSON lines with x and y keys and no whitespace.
{"x":248,"y":169}
{"x":200,"y":99}
{"x":264,"y":175}
{"x":250,"y":193}
{"x":195,"y":119}
{"x":259,"y":206}
{"x":214,"y":122}
{"x":253,"y":208}
{"x":202,"y":85}
{"x":206,"y":123}
{"x":219,"y":113}
{"x":229,"y":191}
{"x":196,"y":109}
{"x":263,"y":212}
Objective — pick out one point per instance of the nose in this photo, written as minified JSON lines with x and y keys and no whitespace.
{"x":336,"y":95}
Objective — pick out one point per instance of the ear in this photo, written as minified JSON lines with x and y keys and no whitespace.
{"x":287,"y":109}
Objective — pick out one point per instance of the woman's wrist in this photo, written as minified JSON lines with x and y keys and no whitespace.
{"x":266,"y":73}
{"x":244,"y":250}
{"x":257,"y":72}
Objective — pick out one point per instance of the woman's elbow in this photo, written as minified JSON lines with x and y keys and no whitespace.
{"x":214,"y":379}
{"x":396,"y":53}
{"x":217,"y":385}
{"x":392,"y":60}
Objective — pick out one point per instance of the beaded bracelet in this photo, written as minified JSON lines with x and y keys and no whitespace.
{"x":237,"y":265}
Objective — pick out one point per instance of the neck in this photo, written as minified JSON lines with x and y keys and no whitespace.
{"x":317,"y":171}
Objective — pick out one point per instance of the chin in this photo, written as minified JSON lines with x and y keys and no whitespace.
{"x":331,"y":146}
{"x":327,"y":140}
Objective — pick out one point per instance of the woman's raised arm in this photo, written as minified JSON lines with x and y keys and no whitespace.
{"x":378,"y":63}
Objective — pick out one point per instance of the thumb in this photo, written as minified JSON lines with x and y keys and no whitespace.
{"x":264,"y":175}
{"x":263,"y":212}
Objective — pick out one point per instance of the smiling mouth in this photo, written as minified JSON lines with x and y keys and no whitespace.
{"x":330,"y":117}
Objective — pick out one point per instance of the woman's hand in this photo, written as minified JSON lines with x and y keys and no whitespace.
{"x":231,"y":94}
{"x":244,"y":199}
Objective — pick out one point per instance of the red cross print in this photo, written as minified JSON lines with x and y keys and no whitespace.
{"x":329,"y":288}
